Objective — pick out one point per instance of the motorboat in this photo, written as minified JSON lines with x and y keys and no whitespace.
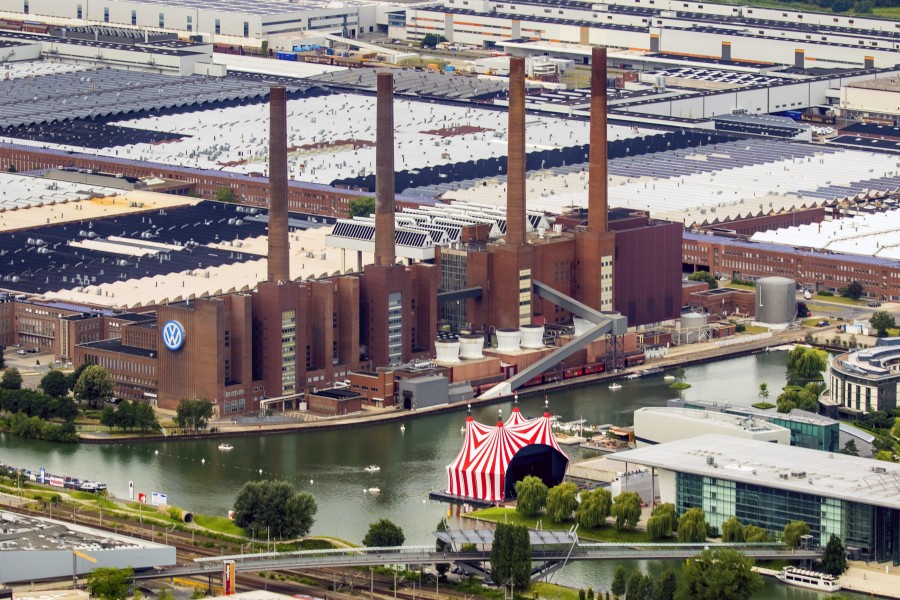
{"x":373,"y":468}
{"x":374,"y":490}
{"x":669,"y":378}
{"x":226,"y":447}
{"x":813,"y":580}
{"x":615,"y":386}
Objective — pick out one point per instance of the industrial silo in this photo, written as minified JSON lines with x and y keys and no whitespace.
{"x":776,"y":300}
{"x":693,"y":327}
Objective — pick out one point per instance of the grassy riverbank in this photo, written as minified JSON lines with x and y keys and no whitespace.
{"x":605,"y":533}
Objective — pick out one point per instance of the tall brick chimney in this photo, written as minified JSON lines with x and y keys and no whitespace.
{"x":515,"y":172}
{"x":598,"y":200}
{"x":279,"y":266}
{"x":384,"y":171}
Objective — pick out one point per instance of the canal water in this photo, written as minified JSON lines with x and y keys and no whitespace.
{"x":330,"y":464}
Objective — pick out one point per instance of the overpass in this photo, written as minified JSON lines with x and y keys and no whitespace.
{"x":548,"y":558}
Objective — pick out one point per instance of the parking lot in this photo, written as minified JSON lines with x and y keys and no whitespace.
{"x":32,"y":365}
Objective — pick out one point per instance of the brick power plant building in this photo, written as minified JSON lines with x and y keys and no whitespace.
{"x":285,"y":339}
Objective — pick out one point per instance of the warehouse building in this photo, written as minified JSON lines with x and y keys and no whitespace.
{"x":770,"y":485}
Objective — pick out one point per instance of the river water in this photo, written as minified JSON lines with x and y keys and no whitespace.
{"x":330,"y":464}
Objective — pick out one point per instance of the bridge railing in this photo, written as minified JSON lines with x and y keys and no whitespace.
{"x":392,"y":551}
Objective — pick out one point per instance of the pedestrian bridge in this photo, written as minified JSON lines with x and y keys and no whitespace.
{"x":547,"y":557}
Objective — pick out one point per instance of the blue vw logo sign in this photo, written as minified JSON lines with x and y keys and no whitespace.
{"x":173,"y":335}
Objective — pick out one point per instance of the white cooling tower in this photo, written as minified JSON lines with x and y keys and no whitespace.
{"x":470,"y":346}
{"x":582,"y":326}
{"x":508,"y":340}
{"x":532,"y":336}
{"x":447,"y":351}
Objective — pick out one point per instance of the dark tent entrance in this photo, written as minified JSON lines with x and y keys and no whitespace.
{"x":536,"y":460}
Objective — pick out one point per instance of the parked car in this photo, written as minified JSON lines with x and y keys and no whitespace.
{"x":21,"y":352}
{"x":874,"y":304}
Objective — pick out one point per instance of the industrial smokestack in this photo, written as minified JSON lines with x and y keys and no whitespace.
{"x":598,"y":199}
{"x":279,"y":267}
{"x":515,"y":171}
{"x":384,"y":171}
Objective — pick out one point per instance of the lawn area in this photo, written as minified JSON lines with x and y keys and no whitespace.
{"x":597,"y":534}
{"x":752,"y":329}
{"x":220,"y":524}
{"x":549,"y":590}
{"x":763,"y":405}
{"x":680,"y":385}
{"x":840,"y":300}
{"x":739,"y":286}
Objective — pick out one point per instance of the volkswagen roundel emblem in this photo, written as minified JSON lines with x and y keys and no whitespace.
{"x":173,"y":335}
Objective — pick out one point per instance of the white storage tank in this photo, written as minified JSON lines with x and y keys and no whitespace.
{"x":776,"y":300}
{"x":470,"y":346}
{"x":508,"y":340}
{"x":532,"y":336}
{"x":447,"y":351}
{"x":582,"y":326}
{"x":693,"y":320}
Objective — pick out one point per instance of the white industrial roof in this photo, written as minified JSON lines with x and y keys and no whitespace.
{"x":281,"y":68}
{"x":748,"y":178}
{"x":236,"y":138}
{"x":36,"y":68}
{"x":23,"y":191}
{"x":876,"y":234}
{"x":807,"y":471}
{"x":255,"y":7}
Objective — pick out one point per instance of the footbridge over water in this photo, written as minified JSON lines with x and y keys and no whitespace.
{"x":550,"y":551}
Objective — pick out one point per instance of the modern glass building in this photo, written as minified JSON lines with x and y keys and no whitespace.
{"x":769,"y":485}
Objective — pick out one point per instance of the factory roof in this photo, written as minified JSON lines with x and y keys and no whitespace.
{"x":884,"y":84}
{"x":876,"y":234}
{"x":764,"y":464}
{"x":708,"y":184}
{"x":253,"y":7}
{"x":683,"y":417}
{"x":769,"y":247}
{"x":21,"y":533}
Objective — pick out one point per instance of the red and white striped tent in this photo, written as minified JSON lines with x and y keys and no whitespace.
{"x":481,"y":469}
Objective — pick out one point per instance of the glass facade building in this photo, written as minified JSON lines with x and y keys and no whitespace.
{"x":874,"y":530}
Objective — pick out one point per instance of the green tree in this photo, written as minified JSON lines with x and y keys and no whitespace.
{"x":662,"y":521}
{"x":881,"y":321}
{"x":754,"y":534}
{"x":721,"y":574}
{"x":145,"y":419}
{"x":531,"y":495}
{"x":626,"y":510}
{"x":692,"y":527}
{"x":362,"y":207}
{"x":74,"y":375}
{"x":666,"y":585}
{"x":55,"y":383}
{"x":562,"y":500}
{"x":125,"y":417}
{"x":619,"y":582}
{"x":834,"y":558}
{"x":850,"y":448}
{"x":635,"y":583}
{"x":511,"y":556}
{"x":93,"y":386}
{"x":853,"y":290}
{"x":225,"y":194}
{"x":383,"y":533}
{"x":108,"y":417}
{"x":442,"y":546}
{"x":430,"y":40}
{"x":594,"y":507}
{"x":763,"y":392}
{"x":264,"y":48}
{"x":806,"y":364}
{"x":110,"y":583}
{"x":11,"y":380}
{"x":274,"y":506}
{"x":706,"y":277}
{"x":165,"y":594}
{"x":895,"y":430}
{"x":732,"y":531}
{"x":193,"y":414}
{"x":793,"y":531}
{"x":885,"y":455}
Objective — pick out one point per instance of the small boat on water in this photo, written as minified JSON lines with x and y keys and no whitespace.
{"x":633,"y":375}
{"x":669,"y":378}
{"x":373,"y":468}
{"x":615,"y":386}
{"x":226,"y":447}
{"x":813,"y":580}
{"x":374,"y":490}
